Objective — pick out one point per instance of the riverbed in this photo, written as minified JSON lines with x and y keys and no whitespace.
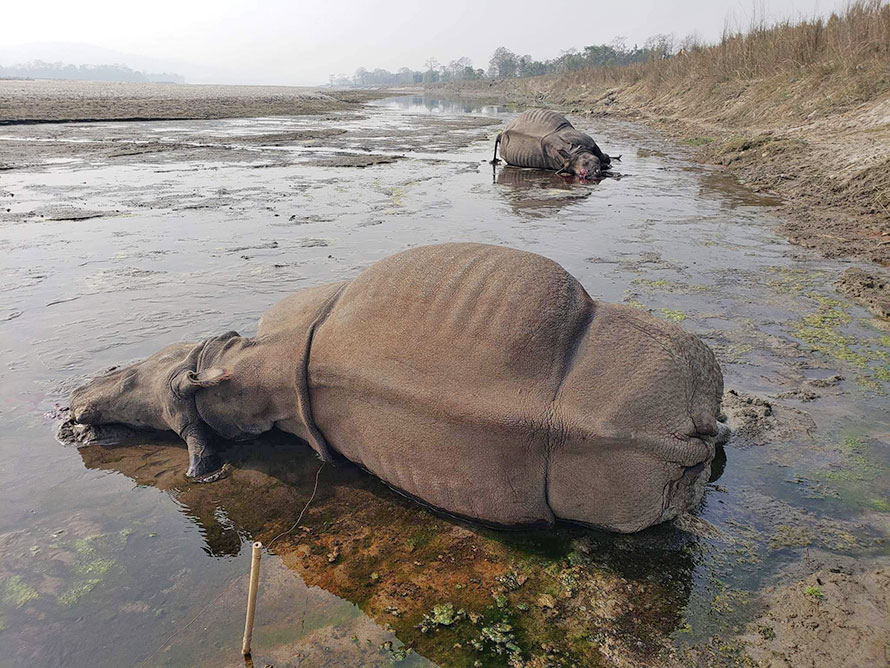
{"x":119,"y":238}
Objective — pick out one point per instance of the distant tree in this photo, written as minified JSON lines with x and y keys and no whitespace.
{"x":457,"y":69}
{"x":432,"y":71}
{"x":503,"y":63}
{"x":41,"y":70}
{"x":660,"y":46}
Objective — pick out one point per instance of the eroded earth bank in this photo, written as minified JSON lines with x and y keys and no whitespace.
{"x":120,"y":238}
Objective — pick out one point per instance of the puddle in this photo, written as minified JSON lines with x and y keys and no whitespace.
{"x":114,"y":248}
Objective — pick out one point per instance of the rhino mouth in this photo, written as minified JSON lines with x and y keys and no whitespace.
{"x":73,"y":432}
{"x":76,"y":429}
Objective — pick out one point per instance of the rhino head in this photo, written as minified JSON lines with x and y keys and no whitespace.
{"x":157,"y":393}
{"x":581,"y":163}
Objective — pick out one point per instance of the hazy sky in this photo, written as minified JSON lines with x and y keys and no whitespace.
{"x":303,"y":41}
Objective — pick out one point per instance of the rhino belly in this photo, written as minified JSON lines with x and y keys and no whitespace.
{"x":522,"y":150}
{"x":437,"y":369}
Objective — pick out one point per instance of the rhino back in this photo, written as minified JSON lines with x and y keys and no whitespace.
{"x":296,"y":312}
{"x":538,"y":122}
{"x":437,"y":370}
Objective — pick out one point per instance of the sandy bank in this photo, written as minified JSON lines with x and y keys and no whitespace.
{"x":43,"y":101}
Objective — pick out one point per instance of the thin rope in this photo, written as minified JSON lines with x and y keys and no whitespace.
{"x":314,"y":490}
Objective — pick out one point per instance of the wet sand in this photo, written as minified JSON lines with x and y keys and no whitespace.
{"x":120,"y":238}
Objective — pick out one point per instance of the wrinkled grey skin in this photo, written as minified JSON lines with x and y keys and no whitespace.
{"x":481,"y":380}
{"x":544,"y":139}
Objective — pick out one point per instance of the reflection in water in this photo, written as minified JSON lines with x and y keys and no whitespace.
{"x":428,"y":104}
{"x":538,"y":192}
{"x":478,"y":593}
{"x":718,"y":466}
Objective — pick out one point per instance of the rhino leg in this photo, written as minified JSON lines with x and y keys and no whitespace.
{"x":203,"y":459}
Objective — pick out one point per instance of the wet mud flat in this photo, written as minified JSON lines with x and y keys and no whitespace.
{"x":120,"y":238}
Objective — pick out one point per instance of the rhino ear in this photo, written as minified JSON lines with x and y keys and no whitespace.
{"x":188,"y":382}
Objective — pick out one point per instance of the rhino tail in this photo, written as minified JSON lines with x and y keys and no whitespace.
{"x":497,"y":140}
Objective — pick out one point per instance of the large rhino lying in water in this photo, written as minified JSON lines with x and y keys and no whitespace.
{"x":544,"y":139}
{"x":479,"y":379}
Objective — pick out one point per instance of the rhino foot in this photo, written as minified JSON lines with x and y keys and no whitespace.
{"x":206,"y":469}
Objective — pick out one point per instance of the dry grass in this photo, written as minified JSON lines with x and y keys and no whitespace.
{"x":854,"y":43}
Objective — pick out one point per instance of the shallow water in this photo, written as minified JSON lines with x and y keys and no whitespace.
{"x":120,"y":238}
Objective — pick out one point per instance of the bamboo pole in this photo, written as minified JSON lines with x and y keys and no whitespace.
{"x":251,"y":596}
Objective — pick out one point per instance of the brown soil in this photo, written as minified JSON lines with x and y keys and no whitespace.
{"x":810,"y":141}
{"x":23,"y":102}
{"x":837,"y":616}
{"x":868,"y":288}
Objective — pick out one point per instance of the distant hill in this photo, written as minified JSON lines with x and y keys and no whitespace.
{"x":39,"y":69}
{"x":77,"y":53}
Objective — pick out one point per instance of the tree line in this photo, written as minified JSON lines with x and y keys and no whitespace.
{"x":39,"y":69}
{"x":505,"y":64}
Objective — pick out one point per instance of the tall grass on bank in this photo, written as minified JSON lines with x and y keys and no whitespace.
{"x":855,"y":41}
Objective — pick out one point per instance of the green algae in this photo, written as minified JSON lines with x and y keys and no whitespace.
{"x":15,"y":593}
{"x":881,"y":505}
{"x":671,"y":286}
{"x":698,"y":141}
{"x":814,"y":592}
{"x":854,"y":476}
{"x":826,"y":331}
{"x":672,"y":315}
{"x":791,"y":281}
{"x":397,"y":194}
{"x":443,"y":614}
{"x":73,"y":594}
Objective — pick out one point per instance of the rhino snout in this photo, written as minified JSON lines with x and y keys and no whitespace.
{"x":81,"y":410}
{"x":83,"y":414}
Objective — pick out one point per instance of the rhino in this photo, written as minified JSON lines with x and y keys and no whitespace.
{"x":480,"y":380}
{"x":544,"y":139}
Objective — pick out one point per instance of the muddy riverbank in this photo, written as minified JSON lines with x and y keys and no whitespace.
{"x":120,"y":238}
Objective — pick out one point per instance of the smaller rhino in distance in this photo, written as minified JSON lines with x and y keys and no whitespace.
{"x":544,"y":139}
